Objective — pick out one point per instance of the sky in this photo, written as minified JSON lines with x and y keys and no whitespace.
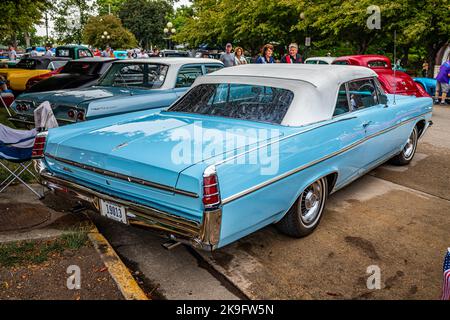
{"x":41,"y":29}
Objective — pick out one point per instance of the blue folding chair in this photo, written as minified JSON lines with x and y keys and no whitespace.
{"x":16,"y":147}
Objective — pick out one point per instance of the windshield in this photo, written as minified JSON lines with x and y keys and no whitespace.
{"x":144,"y":75}
{"x":238,"y":101}
{"x":80,"y":67}
{"x":27,"y":64}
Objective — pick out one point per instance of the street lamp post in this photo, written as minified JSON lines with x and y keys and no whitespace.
{"x":169,"y":31}
{"x":107,"y":37}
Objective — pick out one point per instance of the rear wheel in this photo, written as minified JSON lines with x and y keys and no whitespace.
{"x":306,"y":213}
{"x":408,"y":152}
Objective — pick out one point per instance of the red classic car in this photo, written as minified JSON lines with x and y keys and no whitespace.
{"x":400,"y":82}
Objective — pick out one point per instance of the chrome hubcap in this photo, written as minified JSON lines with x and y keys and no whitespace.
{"x":311,"y":203}
{"x":408,"y":150}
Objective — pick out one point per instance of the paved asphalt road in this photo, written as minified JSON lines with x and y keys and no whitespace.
{"x":395,"y":218}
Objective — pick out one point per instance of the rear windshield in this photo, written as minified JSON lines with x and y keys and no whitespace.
{"x":377,"y":64}
{"x":80,"y":67}
{"x":144,"y":75}
{"x":27,"y":64}
{"x":238,"y":101}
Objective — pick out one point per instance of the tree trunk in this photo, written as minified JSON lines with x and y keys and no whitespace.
{"x":27,"y":39}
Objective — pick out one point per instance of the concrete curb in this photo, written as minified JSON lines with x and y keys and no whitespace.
{"x":116,"y":268}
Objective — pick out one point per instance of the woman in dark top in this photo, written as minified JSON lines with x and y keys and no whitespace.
{"x":266,"y":56}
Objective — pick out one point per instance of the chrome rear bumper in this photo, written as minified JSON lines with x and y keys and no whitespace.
{"x":203,"y":235}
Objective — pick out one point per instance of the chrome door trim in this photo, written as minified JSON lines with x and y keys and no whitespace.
{"x":310,"y":164}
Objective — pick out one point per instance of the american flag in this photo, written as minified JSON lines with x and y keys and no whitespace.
{"x":446,"y":284}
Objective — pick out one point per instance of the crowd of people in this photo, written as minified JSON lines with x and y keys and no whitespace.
{"x":233,"y":58}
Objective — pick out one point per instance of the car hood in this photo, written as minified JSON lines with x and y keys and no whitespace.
{"x":77,"y":96}
{"x":155,"y":147}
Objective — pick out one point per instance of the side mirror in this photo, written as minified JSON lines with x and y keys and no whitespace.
{"x":383,"y":99}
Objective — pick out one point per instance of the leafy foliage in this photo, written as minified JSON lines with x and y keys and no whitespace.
{"x":70,"y":17}
{"x":119,"y":36}
{"x":19,"y":17}
{"x":146,"y":19}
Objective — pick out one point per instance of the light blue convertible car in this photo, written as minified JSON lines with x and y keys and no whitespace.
{"x":245,"y":147}
{"x":128,"y":85}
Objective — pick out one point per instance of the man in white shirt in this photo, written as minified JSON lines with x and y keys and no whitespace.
{"x":12,"y":54}
{"x":33,"y":52}
{"x":48,"y":52}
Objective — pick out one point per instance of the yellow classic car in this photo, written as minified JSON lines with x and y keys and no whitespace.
{"x":18,"y":76}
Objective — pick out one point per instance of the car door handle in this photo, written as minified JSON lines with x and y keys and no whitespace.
{"x":366,"y":124}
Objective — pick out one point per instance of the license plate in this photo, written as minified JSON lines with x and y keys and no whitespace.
{"x":113,"y":211}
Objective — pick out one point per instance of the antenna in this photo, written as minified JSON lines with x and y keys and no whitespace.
{"x":395,"y":63}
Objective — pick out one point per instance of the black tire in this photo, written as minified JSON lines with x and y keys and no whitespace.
{"x":294,"y":223}
{"x":408,"y":152}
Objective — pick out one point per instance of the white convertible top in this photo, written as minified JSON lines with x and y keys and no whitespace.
{"x":315,"y":87}
{"x":317,"y":75}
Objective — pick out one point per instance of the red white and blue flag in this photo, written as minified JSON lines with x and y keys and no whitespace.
{"x":446,"y":284}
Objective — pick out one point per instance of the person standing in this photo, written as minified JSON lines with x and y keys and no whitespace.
{"x":33,"y":52}
{"x":239,"y":56}
{"x":425,"y":69}
{"x":293,"y":56}
{"x":266,"y":56}
{"x":442,"y":81}
{"x":227,"y":58}
{"x":12,"y":54}
{"x":48,"y":51}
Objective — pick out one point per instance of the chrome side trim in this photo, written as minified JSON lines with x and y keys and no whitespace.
{"x":305,"y":166}
{"x":204,"y":235}
{"x":124,"y":177}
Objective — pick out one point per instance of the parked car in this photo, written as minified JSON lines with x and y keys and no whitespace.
{"x":302,"y":132}
{"x":174,"y":53}
{"x":73,"y":51}
{"x":128,"y":85}
{"x":29,"y":67}
{"x":320,"y":60}
{"x":428,"y":84}
{"x":392,"y":81}
{"x":120,"y":54}
{"x":40,"y":51}
{"x":75,"y":74}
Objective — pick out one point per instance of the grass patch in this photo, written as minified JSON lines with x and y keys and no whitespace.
{"x":37,"y":252}
{"x":75,"y":239}
{"x":4,"y":117}
{"x":25,"y":176}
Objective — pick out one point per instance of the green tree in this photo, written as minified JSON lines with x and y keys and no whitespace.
{"x":106,"y":6}
{"x":146,"y":19}
{"x":250,"y":24}
{"x":19,"y":17}
{"x":69,"y":17}
{"x":120,"y":38}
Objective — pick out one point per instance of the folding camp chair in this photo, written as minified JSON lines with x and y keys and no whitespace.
{"x":16,"y":147}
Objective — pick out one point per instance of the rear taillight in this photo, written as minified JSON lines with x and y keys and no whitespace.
{"x":39,"y":145}
{"x":80,"y":115}
{"x":71,"y":114}
{"x":211,"y":194}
